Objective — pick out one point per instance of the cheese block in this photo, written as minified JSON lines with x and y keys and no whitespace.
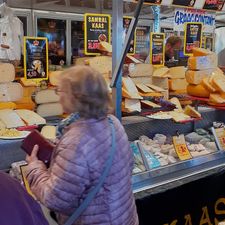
{"x":49,"y":132}
{"x":7,"y":72}
{"x":203,"y":62}
{"x":10,"y":118}
{"x":132,"y":105}
{"x":151,"y":104}
{"x":127,"y":94}
{"x":49,"y":109}
{"x":28,"y":83}
{"x":105,"y":46}
{"x":216,"y":98}
{"x":140,"y":70}
{"x":190,"y":111}
{"x":198,"y":91}
{"x":30,"y":117}
{"x":46,"y":96}
{"x":196,"y":77}
{"x":7,"y":105}
{"x":176,"y":102}
{"x":161,"y":82}
{"x":10,"y":92}
{"x":208,"y":85}
{"x":201,"y":52}
{"x":54,"y":77}
{"x":177,"y":72}
{"x":161,"y":72}
{"x":103,"y":64}
{"x":177,"y":84}
{"x":219,"y":83}
{"x":142,"y":80}
{"x":144,"y":88}
{"x":130,"y":87}
{"x":155,"y":88}
{"x":178,"y":116}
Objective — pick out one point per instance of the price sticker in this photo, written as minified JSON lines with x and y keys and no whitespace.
{"x":181,"y":147}
{"x":220,"y":133}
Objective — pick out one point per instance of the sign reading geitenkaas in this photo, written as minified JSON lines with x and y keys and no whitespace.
{"x":97,"y":28}
{"x":36,"y":58}
{"x":200,"y":202}
{"x":215,"y":5}
{"x":187,"y":3}
{"x":192,"y":37}
{"x":157,"y":49}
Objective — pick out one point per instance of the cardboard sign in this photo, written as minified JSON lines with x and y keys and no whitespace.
{"x":152,"y":2}
{"x":126,"y":24}
{"x":181,"y":147}
{"x":157,"y":49}
{"x":215,"y":5}
{"x":142,"y":40}
{"x":187,"y":3}
{"x":36,"y":58}
{"x":192,"y":37}
{"x":97,"y":28}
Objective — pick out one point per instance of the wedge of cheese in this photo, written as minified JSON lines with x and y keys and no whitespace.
{"x":179,"y":116}
{"x":10,"y":92}
{"x":177,"y":84}
{"x":196,"y":77}
{"x":203,"y":62}
{"x":7,"y":105}
{"x":7,"y":72}
{"x":150,"y":104}
{"x":54,"y":77}
{"x":176,"y":102}
{"x":132,"y":105}
{"x":130,"y":87}
{"x":177,"y":72}
{"x":46,"y":96}
{"x":10,"y":118}
{"x":49,"y":132}
{"x":161,"y":72}
{"x":140,"y":70}
{"x":190,"y":111}
{"x":208,"y":85}
{"x":49,"y":109}
{"x":219,"y":83}
{"x":144,"y":88}
{"x":198,"y":90}
{"x":105,"y":46}
{"x":30,"y":117}
{"x":216,"y":98}
{"x":201,"y":52}
{"x":155,"y":88}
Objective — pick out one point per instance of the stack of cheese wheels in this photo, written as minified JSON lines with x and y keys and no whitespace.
{"x":204,"y":77}
{"x":9,"y":91}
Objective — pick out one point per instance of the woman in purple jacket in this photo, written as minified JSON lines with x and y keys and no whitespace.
{"x":17,"y":206}
{"x":78,"y":159}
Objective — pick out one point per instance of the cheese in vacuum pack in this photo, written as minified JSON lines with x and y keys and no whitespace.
{"x":11,"y":118}
{"x":7,"y":72}
{"x":10,"y":92}
{"x":203,"y":62}
{"x":140,"y":70}
{"x":198,"y":91}
{"x":177,"y":72}
{"x":30,"y":117}
{"x":46,"y":96}
{"x":49,"y":109}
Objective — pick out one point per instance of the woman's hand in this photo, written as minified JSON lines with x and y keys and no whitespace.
{"x":33,"y":157}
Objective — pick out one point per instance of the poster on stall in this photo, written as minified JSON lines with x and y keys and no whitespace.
{"x":192,"y":37}
{"x":157,"y":49}
{"x":36,"y":58}
{"x":187,"y":3}
{"x":215,"y":5}
{"x":126,"y":23}
{"x":97,"y":28}
{"x":152,"y":2}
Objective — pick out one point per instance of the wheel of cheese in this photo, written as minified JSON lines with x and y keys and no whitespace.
{"x":50,"y":109}
{"x":10,"y":92}
{"x":46,"y":96}
{"x":198,"y":91}
{"x":7,"y":71}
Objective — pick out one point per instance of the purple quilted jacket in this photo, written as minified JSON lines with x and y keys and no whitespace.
{"x":76,"y":166}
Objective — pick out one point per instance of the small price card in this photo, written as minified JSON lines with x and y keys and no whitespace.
{"x":220,"y":134}
{"x":181,"y":147}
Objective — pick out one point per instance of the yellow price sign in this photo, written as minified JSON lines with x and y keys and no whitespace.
{"x":181,"y":147}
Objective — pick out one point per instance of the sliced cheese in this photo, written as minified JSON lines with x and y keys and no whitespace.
{"x":177,"y":84}
{"x":203,"y":62}
{"x":190,"y":111}
{"x":132,"y":105}
{"x":219,"y":83}
{"x":49,"y":132}
{"x":7,"y":105}
{"x":105,"y":46}
{"x":201,"y":52}
{"x":30,"y":117}
{"x":176,"y":102}
{"x":54,"y":77}
{"x":10,"y":92}
{"x":207,"y":85}
{"x":151,"y":104}
{"x":161,"y":72}
{"x":130,"y":87}
{"x":216,"y":98}
{"x":7,"y":72}
{"x":198,"y":91}
{"x":144,"y":88}
{"x":177,"y":72}
{"x":10,"y":118}
{"x":140,"y":70}
{"x":49,"y":109}
{"x":46,"y":96}
{"x":196,"y":77}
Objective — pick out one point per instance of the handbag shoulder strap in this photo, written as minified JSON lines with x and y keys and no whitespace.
{"x":96,"y":189}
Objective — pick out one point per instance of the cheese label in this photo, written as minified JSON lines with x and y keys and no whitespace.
{"x":187,"y":3}
{"x":213,"y":5}
{"x":97,"y":28}
{"x":220,"y":134}
{"x":181,"y":148}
